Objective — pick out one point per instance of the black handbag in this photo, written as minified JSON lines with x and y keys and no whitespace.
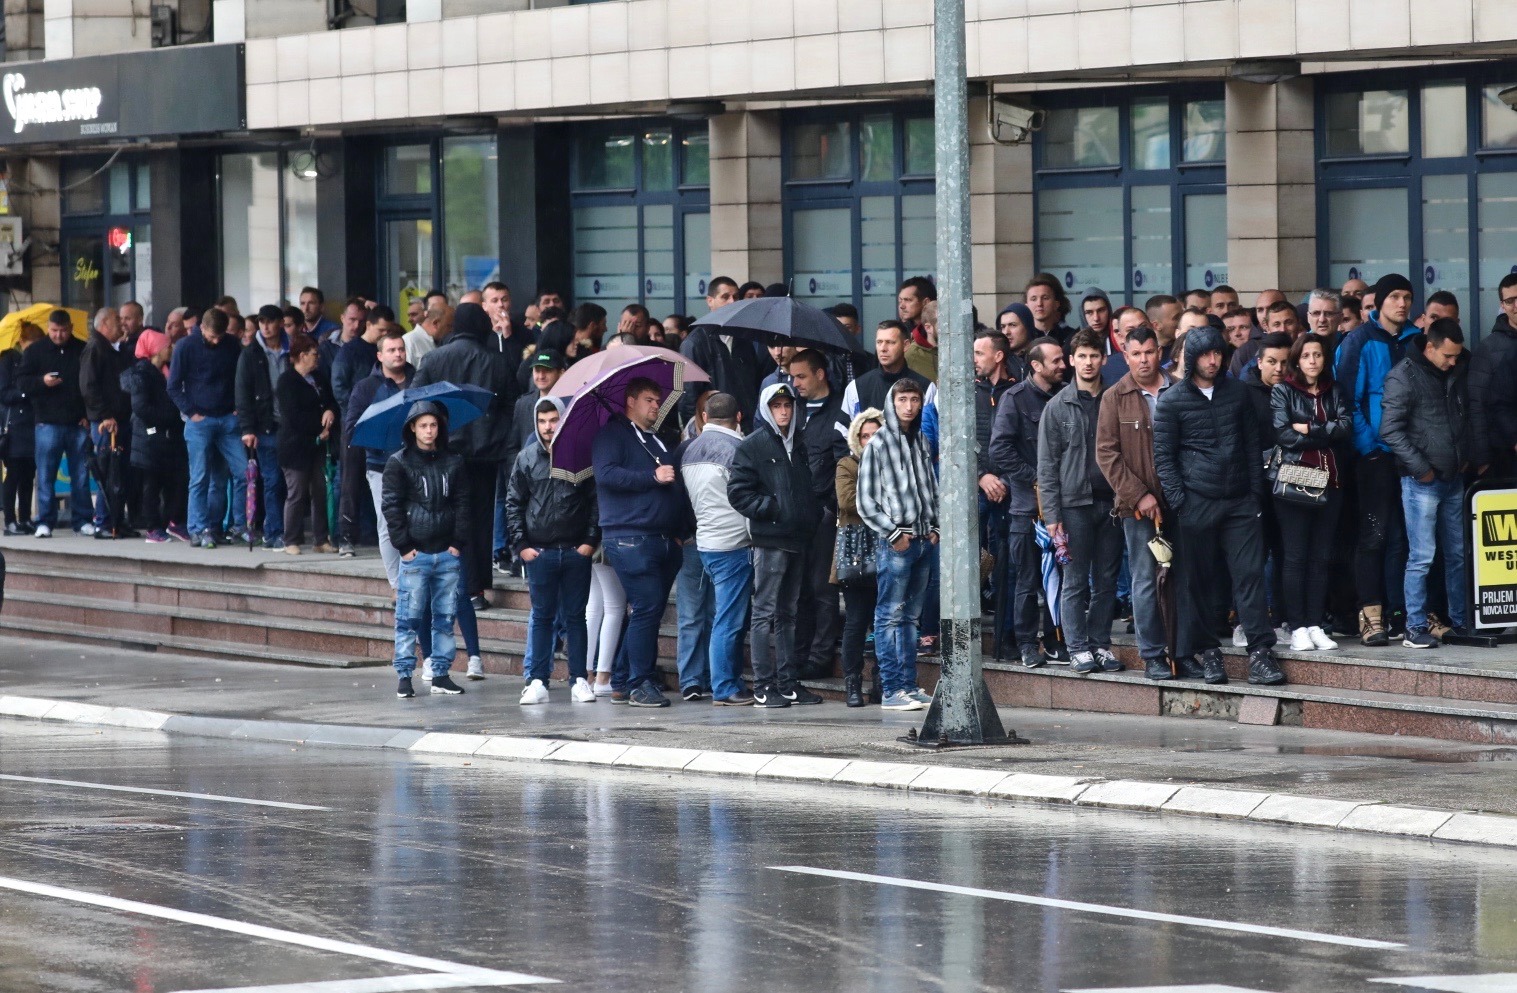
{"x":1301,"y":484}
{"x":854,"y":556}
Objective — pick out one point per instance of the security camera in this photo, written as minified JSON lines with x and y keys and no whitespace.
{"x":1010,"y":122}
{"x":1508,"y":96}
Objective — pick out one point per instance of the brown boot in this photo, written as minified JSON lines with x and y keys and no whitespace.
{"x":1371,"y":627}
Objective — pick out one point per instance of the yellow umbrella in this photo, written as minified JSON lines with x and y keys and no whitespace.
{"x":37,"y":313}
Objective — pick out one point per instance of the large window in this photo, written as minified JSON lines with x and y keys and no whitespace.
{"x":1131,"y":191}
{"x":106,"y":238}
{"x":268,"y":229}
{"x":859,"y":206}
{"x":641,"y":216}
{"x":1419,"y":176}
{"x":438,"y":218}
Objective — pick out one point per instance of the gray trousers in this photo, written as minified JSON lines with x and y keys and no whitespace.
{"x":777,"y":583}
{"x":376,"y":481}
{"x":1088,"y":595}
{"x":1148,"y":621}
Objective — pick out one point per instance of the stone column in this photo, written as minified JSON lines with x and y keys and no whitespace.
{"x":1000,"y":217}
{"x":100,"y":27}
{"x":1271,"y":188}
{"x":747,"y":230}
{"x":23,"y":30}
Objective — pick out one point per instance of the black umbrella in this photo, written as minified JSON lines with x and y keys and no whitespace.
{"x":108,"y":465}
{"x":781,"y":321}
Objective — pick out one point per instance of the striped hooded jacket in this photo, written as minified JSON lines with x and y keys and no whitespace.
{"x":898,"y":491}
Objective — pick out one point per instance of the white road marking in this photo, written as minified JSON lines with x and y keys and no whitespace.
{"x":1495,"y":982}
{"x":1093,"y":908}
{"x":139,"y":789}
{"x":1207,"y":988}
{"x":451,"y":970}
{"x":377,"y":984}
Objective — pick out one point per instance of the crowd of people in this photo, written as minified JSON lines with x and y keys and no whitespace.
{"x":1195,"y":469}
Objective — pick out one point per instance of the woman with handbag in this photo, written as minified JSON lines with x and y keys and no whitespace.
{"x":853,"y":564}
{"x":17,"y":447}
{"x":1310,"y":418}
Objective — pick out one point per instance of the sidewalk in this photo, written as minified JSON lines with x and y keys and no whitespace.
{"x":1334,"y":767}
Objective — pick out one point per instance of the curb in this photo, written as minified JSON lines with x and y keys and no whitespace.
{"x":1359,"y":817}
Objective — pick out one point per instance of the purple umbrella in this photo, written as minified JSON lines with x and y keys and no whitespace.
{"x":604,"y":396}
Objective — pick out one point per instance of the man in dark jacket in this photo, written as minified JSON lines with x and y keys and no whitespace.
{"x":771,"y":486}
{"x":872,"y":389}
{"x":470,"y":357}
{"x":732,"y":362}
{"x":354,"y":361}
{"x":426,"y":508}
{"x":1267,"y":369}
{"x":258,"y":370}
{"x":107,"y":406}
{"x":1493,"y":389}
{"x":1424,"y":419}
{"x":545,"y":368}
{"x":824,"y":430}
{"x":202,"y":383}
{"x":1365,"y":358}
{"x":1014,"y":455}
{"x":49,"y":376}
{"x":1206,"y":453}
{"x":391,"y":375}
{"x":992,"y":379}
{"x":553,"y":525}
{"x":641,"y":514}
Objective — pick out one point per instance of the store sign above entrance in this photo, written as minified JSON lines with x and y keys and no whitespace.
{"x":165,"y":92}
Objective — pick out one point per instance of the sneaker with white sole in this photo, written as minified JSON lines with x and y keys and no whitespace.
{"x":444,"y":686}
{"x":581,"y":692}
{"x":534,"y":692}
{"x":86,"y":530}
{"x":1301,"y":641}
{"x":476,"y":667}
{"x":426,"y":670}
{"x":1320,"y":639}
{"x":1240,"y":640}
{"x":901,"y":700}
{"x":603,"y":689}
{"x":43,"y":531}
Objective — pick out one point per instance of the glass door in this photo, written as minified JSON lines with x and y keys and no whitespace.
{"x":409,"y":262}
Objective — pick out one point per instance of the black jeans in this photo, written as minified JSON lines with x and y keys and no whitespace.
{"x":1023,"y":585}
{"x":475,"y":576}
{"x":1307,"y":536}
{"x":352,"y":485}
{"x":816,"y":616}
{"x":20,"y":477}
{"x":858,"y":618}
{"x":1233,"y":529}
{"x":1382,"y":532}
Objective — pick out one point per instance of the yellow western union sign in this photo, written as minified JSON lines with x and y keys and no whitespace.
{"x":1494,"y":542}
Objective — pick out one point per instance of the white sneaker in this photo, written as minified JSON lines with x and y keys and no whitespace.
{"x":87,"y":530}
{"x":43,"y":531}
{"x":534,"y":692}
{"x":1320,"y":639}
{"x":426,"y":670}
{"x":1240,"y":640}
{"x":476,"y":668}
{"x":1301,"y":641}
{"x":1284,"y":632}
{"x":581,"y":691}
{"x":603,"y":689}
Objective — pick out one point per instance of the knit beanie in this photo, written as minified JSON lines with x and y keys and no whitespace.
{"x":1390,"y":283}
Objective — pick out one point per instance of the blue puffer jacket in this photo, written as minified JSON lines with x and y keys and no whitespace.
{"x":1365,"y":358}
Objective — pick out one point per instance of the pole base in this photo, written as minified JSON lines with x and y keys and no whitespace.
{"x":962,"y":712}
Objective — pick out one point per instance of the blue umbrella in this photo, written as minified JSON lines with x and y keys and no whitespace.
{"x":380,"y":426}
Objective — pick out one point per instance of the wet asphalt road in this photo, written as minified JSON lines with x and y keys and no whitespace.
{"x":619,"y":881}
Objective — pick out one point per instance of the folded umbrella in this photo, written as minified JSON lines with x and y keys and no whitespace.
{"x":108,"y":465}
{"x":251,"y":506}
{"x":782,"y":321}
{"x":605,"y":396}
{"x":1053,"y":578}
{"x":380,"y":426}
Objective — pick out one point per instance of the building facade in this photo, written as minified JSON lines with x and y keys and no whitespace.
{"x":625,"y":150}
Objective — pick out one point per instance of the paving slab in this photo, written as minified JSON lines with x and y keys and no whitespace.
{"x":1034,"y":786}
{"x":803,"y":767}
{"x":449,"y":744}
{"x":1484,"y":829}
{"x":23,"y":706}
{"x":130,"y":717}
{"x":586,"y":753}
{"x":506,"y":747}
{"x":649,"y":757}
{"x":941,"y":779}
{"x":1217,"y":803}
{"x":1315,"y":811}
{"x":1128,"y":794}
{"x":729,"y":763}
{"x":1387,"y":818}
{"x":885,"y":774}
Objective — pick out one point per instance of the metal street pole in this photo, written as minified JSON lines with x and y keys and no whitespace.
{"x":962,"y":712}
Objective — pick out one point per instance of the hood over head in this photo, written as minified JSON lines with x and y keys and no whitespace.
{"x":471,"y":321}
{"x":149,"y":342}
{"x":1024,"y":315}
{"x":557,"y":403}
{"x":856,"y":429}
{"x":1199,"y":341}
{"x":770,"y":392}
{"x":420,"y":409}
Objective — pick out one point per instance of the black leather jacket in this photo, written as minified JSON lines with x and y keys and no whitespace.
{"x":543,"y":512}
{"x":1290,"y":405}
{"x":773,"y":490}
{"x":426,"y":499}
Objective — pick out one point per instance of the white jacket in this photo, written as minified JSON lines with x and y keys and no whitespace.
{"x":704,"y":469}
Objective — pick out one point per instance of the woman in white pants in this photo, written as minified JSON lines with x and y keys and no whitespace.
{"x":604,"y":615}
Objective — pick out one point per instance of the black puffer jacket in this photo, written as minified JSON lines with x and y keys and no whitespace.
{"x":1424,"y":414}
{"x":1207,"y":448}
{"x":425,"y":497}
{"x":1259,"y":402}
{"x":987,"y":396}
{"x":470,"y":358}
{"x":157,"y":425}
{"x":1493,"y":394}
{"x":544,"y":512}
{"x":772,"y":487}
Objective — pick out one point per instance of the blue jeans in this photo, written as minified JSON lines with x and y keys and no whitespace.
{"x":463,"y":616}
{"x":430,"y":580}
{"x":559,"y":583}
{"x":102,"y":509}
{"x":731,"y":576}
{"x":646,"y":564}
{"x":1434,"y":523}
{"x":695,"y":601}
{"x":54,"y":442}
{"x":208,"y":440}
{"x":272,"y":481}
{"x":1147,"y":618}
{"x":902,"y":590}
